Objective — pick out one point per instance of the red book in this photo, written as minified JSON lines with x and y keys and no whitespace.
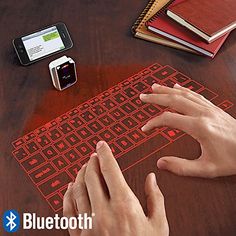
{"x":208,"y":19}
{"x":164,"y":26}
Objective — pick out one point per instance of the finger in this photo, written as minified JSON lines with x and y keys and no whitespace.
{"x":179,"y":90}
{"x":95,"y":187}
{"x":80,"y":193}
{"x":69,"y":209}
{"x":111,"y":172}
{"x":191,"y":94}
{"x":155,"y":199}
{"x":176,"y":102}
{"x":173,"y":120}
{"x":184,"y":167}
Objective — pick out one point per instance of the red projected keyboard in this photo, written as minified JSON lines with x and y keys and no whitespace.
{"x":53,"y":154}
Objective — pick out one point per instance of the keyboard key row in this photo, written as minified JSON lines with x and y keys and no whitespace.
{"x":84,"y":133}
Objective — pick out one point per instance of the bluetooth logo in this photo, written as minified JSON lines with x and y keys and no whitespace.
{"x":11,"y":221}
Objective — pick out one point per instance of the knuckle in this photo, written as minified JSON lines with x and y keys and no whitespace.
{"x":66,"y":211}
{"x":105,"y":169}
{"x":159,"y":194}
{"x":88,"y":175}
{"x":200,"y":96}
{"x":186,"y":94}
{"x":124,"y":202}
{"x":179,"y":170}
{"x":204,"y":126}
{"x":67,"y":195}
{"x":79,"y":190}
{"x":207,"y":112}
{"x":211,"y":171}
{"x":174,"y":99}
{"x":165,"y":117}
{"x":166,"y":114}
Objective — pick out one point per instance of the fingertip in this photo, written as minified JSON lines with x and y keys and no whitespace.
{"x":152,"y":178}
{"x":101,"y":148}
{"x":143,"y":96}
{"x":177,"y":86}
{"x":144,"y":128}
{"x":155,"y":86}
{"x":93,"y":155}
{"x":100,"y":144}
{"x":151,"y":183}
{"x":162,"y":164}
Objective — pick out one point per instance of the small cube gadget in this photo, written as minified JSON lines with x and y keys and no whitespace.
{"x":63,"y":72}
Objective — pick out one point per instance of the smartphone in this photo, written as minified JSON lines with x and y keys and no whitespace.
{"x":42,"y":43}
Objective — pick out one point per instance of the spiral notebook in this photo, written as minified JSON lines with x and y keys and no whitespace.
{"x":139,"y":28}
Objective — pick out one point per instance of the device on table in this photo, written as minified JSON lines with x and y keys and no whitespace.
{"x":52,"y":154}
{"x":42,"y":43}
{"x":63,"y":72}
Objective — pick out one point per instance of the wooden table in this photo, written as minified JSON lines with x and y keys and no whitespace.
{"x":106,"y":53}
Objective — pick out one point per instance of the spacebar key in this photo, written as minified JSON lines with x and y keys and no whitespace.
{"x":54,"y":183}
{"x":142,"y":151}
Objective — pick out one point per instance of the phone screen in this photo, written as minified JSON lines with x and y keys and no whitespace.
{"x":43,"y":43}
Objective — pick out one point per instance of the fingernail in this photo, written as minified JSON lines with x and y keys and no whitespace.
{"x":162,"y":163}
{"x":154,"y":179}
{"x":156,"y":86}
{"x":144,"y":128}
{"x":177,"y":86}
{"x":100,"y":144}
{"x":141,"y":96}
{"x":93,"y":155}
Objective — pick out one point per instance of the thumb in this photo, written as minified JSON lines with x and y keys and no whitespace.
{"x":155,"y":199}
{"x":69,"y":209}
{"x":184,"y":167}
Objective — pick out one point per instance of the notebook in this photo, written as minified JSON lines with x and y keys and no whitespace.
{"x":208,"y":19}
{"x":162,"y":25}
{"x":139,"y":29}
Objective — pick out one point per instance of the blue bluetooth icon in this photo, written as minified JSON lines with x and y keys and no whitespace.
{"x":11,"y":221}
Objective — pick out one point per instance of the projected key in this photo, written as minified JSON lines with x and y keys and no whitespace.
{"x":54,"y":183}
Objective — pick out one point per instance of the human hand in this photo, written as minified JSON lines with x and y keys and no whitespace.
{"x":213,"y":128}
{"x":100,"y":188}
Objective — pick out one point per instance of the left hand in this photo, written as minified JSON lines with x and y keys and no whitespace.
{"x":100,"y":188}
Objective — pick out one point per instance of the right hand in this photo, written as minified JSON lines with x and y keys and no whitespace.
{"x":213,"y":128}
{"x":100,"y":187}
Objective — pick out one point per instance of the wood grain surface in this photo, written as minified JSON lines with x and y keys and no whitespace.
{"x":106,"y":53}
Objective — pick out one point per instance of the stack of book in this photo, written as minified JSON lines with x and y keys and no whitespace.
{"x":197,"y":26}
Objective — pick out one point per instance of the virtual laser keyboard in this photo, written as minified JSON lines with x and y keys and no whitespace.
{"x":53,"y":154}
